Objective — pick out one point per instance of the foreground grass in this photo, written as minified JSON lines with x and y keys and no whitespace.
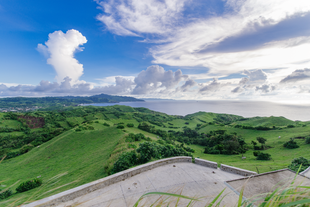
{"x":77,"y":156}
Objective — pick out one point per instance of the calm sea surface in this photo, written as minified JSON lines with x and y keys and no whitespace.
{"x":241,"y":108}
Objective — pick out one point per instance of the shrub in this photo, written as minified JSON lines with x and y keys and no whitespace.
{"x":120,"y":127}
{"x":5,"y":194}
{"x":290,"y":144}
{"x":97,"y":122}
{"x":106,"y":124}
{"x":26,"y":148}
{"x":132,"y":146}
{"x":263,"y":156}
{"x":125,"y":161}
{"x":297,"y":162}
{"x":255,"y":153}
{"x":130,"y":125}
{"x":307,"y":140}
{"x":28,"y":185}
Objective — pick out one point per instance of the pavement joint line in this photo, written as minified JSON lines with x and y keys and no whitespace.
{"x":151,"y":182}
{"x":123,"y":195}
{"x":235,"y":191}
{"x":192,"y":179}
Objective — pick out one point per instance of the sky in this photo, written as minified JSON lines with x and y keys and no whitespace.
{"x":175,"y":49}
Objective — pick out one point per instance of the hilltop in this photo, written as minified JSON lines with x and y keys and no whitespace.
{"x":83,"y":144}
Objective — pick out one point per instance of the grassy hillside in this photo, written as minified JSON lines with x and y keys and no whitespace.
{"x":85,"y":142}
{"x":80,"y":155}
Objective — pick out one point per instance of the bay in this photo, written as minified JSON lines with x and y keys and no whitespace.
{"x":241,"y":108}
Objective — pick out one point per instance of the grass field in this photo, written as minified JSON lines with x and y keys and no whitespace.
{"x":81,"y":155}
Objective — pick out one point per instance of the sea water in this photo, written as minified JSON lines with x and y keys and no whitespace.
{"x":241,"y":108}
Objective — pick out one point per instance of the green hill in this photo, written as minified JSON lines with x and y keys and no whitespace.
{"x":267,"y":121}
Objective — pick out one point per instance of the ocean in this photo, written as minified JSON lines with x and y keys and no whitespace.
{"x":241,"y":108}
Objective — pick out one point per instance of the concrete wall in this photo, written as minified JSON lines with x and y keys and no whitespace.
{"x":236,"y":170}
{"x":206,"y":163}
{"x":101,"y":183}
{"x":305,"y":171}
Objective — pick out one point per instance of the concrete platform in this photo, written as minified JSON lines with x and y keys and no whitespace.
{"x":177,"y":175}
{"x":182,"y":178}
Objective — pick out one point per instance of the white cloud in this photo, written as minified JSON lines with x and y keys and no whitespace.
{"x":60,"y":49}
{"x":155,"y":78}
{"x":111,"y":80}
{"x":208,"y":41}
{"x":133,"y":17}
{"x":297,"y":76}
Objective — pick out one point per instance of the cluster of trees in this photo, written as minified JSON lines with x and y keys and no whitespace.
{"x":262,"y":141}
{"x":300,"y":164}
{"x":291,"y":144}
{"x":261,"y":155}
{"x":146,"y":152}
{"x":219,"y":142}
{"x":216,"y":142}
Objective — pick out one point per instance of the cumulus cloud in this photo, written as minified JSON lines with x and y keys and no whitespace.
{"x":265,"y":88}
{"x":211,"y":87}
{"x":60,"y":49}
{"x":237,"y":90}
{"x":296,"y":76}
{"x":155,"y":78}
{"x":187,"y":85}
{"x":255,"y":76}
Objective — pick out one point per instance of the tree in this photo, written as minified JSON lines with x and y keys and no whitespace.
{"x":262,"y":141}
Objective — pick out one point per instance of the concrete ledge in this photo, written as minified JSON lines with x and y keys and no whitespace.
{"x":205,"y":163}
{"x":236,"y":170}
{"x":305,"y":171}
{"x":101,"y":183}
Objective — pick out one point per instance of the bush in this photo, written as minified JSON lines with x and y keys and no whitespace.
{"x":263,"y":156}
{"x":297,"y":162}
{"x":106,"y":124}
{"x":97,"y":122}
{"x":26,"y":148}
{"x":28,"y":185}
{"x":130,"y":125}
{"x":125,"y":161}
{"x":290,"y":144}
{"x":255,"y":153}
{"x":5,"y":194}
{"x":120,"y":127}
{"x":307,"y":140}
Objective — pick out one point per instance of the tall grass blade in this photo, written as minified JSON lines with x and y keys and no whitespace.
{"x":163,"y":193}
{"x":217,"y":197}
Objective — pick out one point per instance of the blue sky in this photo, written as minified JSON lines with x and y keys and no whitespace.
{"x":181,"y":49}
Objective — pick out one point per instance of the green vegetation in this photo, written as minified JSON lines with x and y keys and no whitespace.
{"x":5,"y":194}
{"x":291,"y":144}
{"x":28,"y":185}
{"x":144,"y":154}
{"x":59,"y":102}
{"x":87,"y":143}
{"x":300,"y":164}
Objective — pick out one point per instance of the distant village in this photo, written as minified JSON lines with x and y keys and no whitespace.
{"x":19,"y":109}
